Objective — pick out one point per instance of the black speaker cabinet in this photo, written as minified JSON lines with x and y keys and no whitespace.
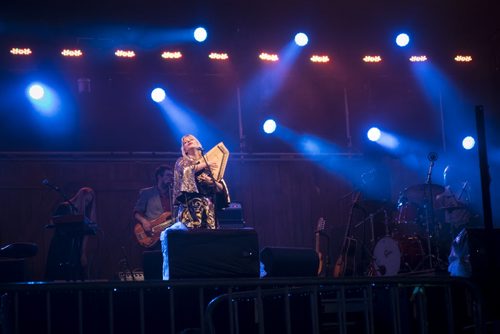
{"x":12,"y":270}
{"x":152,"y":264}
{"x":282,"y":262}
{"x":201,"y":253}
{"x":485,"y":263}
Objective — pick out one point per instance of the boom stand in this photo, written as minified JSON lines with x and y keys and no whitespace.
{"x":433,"y":260}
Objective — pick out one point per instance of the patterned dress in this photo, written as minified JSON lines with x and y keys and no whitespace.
{"x":194,"y":197}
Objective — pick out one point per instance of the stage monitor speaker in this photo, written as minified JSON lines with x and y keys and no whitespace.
{"x":152,"y":264}
{"x":201,"y":253}
{"x":484,"y":264}
{"x":283,"y":262}
{"x":12,"y":270}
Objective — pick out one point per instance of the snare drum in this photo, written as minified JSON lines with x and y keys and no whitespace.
{"x":392,"y":256}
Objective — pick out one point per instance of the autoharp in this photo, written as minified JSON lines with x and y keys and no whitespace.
{"x":219,"y":154}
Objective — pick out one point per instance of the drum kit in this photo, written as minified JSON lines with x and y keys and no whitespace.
{"x":405,"y":238}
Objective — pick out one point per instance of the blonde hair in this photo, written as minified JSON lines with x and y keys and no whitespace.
{"x":84,"y":201}
{"x":184,"y":154}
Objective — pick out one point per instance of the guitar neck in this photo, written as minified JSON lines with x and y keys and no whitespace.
{"x":161,"y":227}
{"x":317,"y":242}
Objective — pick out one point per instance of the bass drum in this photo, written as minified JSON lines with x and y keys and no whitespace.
{"x":392,"y":256}
{"x":386,"y":257}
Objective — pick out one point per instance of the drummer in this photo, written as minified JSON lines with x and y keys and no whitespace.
{"x":453,"y":202}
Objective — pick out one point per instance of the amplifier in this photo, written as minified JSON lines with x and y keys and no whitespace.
{"x":231,"y":217}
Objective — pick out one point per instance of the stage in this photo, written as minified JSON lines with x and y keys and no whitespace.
{"x":238,"y":305}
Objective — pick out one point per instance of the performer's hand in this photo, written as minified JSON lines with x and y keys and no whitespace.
{"x":205,"y":178}
{"x":147,"y":226}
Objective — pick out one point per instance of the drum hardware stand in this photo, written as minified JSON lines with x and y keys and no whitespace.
{"x":366,"y":249}
{"x":370,"y":219}
{"x":340,"y":264}
{"x":429,"y":218}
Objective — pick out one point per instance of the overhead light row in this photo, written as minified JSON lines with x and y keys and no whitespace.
{"x":221,"y":56}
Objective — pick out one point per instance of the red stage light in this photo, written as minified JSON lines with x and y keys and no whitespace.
{"x":125,"y":53}
{"x":269,"y":57}
{"x":319,"y":59}
{"x":218,"y":56}
{"x":21,"y":51}
{"x":415,"y":59}
{"x":72,"y":53}
{"x":372,"y":59}
{"x":171,"y":55}
{"x":463,"y":58}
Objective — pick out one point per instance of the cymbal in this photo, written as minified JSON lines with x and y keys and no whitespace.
{"x":371,"y":206}
{"x":420,"y":192}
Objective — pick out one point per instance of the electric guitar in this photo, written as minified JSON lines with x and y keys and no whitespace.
{"x":149,"y":239}
{"x":346,"y":262}
{"x":320,"y":227}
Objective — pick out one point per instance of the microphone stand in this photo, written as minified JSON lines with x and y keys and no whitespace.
{"x":429,"y":213}
{"x":173,"y":208}
{"x":214,"y":185}
{"x":429,"y":173}
{"x":60,"y":192}
{"x":465,"y":185}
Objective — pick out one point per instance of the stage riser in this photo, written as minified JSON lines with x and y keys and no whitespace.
{"x":245,"y":306}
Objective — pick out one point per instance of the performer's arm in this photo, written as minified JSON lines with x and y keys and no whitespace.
{"x":208,"y":180}
{"x":143,"y":221}
{"x":201,"y":165}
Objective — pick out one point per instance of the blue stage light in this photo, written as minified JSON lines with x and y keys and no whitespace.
{"x":402,"y":40}
{"x":301,"y":39}
{"x":200,"y":34}
{"x":468,"y":143}
{"x":269,"y":126}
{"x":373,"y":134}
{"x":43,"y":98}
{"x":36,"y":91}
{"x":158,"y":95}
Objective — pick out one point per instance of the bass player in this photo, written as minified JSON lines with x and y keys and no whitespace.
{"x":153,"y":209}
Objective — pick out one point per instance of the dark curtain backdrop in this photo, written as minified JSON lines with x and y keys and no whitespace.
{"x":281,"y":199}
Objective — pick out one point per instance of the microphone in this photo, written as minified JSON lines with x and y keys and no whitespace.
{"x":46,"y":182}
{"x":432,"y":156}
{"x":199,"y":148}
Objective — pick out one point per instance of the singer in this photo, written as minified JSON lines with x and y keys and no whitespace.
{"x":196,"y":193}
{"x":195,"y":190}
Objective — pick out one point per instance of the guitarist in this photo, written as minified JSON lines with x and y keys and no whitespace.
{"x":154,"y":201}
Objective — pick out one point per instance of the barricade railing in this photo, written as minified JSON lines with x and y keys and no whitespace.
{"x":288,"y":305}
